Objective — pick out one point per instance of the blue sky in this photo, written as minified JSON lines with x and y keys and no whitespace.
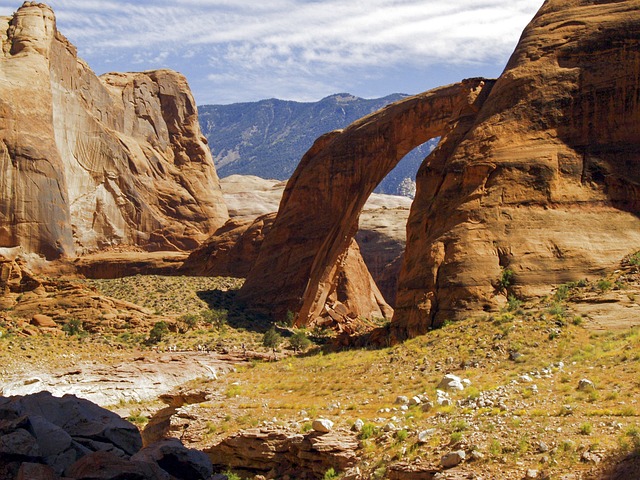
{"x":247,"y":50}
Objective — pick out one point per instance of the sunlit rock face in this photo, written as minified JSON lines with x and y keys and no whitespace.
{"x":536,"y":174}
{"x":545,"y":181}
{"x":307,"y":263}
{"x":88,"y":162}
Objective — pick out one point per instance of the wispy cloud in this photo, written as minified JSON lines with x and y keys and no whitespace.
{"x":300,"y":45}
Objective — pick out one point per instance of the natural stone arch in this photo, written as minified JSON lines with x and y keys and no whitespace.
{"x":309,"y":254}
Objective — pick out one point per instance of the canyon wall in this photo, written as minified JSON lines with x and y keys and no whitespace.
{"x":89,"y":162}
{"x":303,"y":257}
{"x":545,"y":182}
{"x":534,"y":183}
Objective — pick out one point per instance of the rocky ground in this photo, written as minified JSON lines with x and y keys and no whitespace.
{"x":541,"y":389}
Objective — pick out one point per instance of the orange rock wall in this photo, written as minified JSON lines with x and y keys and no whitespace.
{"x":88,"y":162}
{"x":544,"y":183}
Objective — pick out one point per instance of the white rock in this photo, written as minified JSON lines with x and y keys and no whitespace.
{"x":451,"y":382}
{"x":402,"y":400}
{"x":586,"y":385}
{"x":357,"y":425}
{"x":322,"y":425}
{"x":415,"y":400}
{"x":424,"y":435}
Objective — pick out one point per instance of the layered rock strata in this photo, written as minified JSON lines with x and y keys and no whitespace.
{"x":535,"y":181}
{"x":278,"y":453}
{"x":300,"y":262}
{"x":544,"y":183}
{"x":88,"y":162}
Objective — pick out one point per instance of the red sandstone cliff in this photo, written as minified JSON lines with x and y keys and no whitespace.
{"x":88,"y":162}
{"x":537,"y":174}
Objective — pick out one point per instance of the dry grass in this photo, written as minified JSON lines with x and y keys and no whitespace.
{"x":543,"y":340}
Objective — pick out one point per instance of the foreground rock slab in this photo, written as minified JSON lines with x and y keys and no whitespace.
{"x":46,"y":437}
{"x":271,"y":451}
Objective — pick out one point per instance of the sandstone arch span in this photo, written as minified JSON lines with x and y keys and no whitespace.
{"x":309,"y":263}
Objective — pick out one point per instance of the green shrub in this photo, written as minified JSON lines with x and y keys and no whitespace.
{"x":330,"y":475}
{"x":604,"y":285}
{"x":506,"y":279}
{"x":299,"y":341}
{"x":158,"y":331}
{"x":368,"y":431}
{"x":188,"y":321}
{"x":635,"y":259}
{"x":214,"y":318}
{"x":73,"y":327}
{"x":586,"y":428}
{"x":271,"y":338}
{"x":513,"y":304}
{"x":232,"y":476}
{"x":562,"y":292}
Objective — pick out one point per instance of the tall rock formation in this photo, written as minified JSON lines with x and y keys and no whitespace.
{"x":536,"y":179}
{"x":306,"y":254}
{"x":545,"y":183}
{"x":88,"y":162}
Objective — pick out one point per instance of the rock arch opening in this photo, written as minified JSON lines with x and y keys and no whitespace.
{"x":383,"y":221}
{"x":309,"y":263}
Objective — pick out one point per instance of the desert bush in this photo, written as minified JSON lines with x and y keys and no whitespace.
{"x":506,"y":279}
{"x":73,"y":327}
{"x":271,"y":338}
{"x":299,"y":341}
{"x":330,"y":474}
{"x":158,"y":331}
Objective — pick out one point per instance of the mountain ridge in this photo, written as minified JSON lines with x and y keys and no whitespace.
{"x":268,"y":138}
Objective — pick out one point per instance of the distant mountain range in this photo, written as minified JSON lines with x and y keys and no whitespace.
{"x":268,"y":138}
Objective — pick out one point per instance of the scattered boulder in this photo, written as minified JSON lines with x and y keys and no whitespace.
{"x":453,"y":459}
{"x":322,"y":425}
{"x":451,"y":382}
{"x":586,"y":385}
{"x":425,"y":435}
{"x":357,"y":425}
{"x":174,"y":458}
{"x":43,"y":321}
{"x":442,"y":398}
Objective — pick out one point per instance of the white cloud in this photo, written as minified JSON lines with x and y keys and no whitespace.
{"x":300,"y":40}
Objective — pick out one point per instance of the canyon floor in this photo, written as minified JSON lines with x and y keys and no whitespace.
{"x":551,"y":391}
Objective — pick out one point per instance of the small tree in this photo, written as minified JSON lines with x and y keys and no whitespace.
{"x":407,"y":188}
{"x":158,"y":331}
{"x":271,"y":338}
{"x":214,"y":318}
{"x":299,"y":341}
{"x":188,"y":321}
